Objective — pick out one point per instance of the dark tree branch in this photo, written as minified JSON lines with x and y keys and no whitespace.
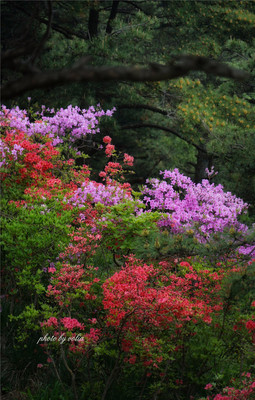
{"x":163,"y":128}
{"x":180,"y":66}
{"x":142,"y":107}
{"x":64,"y":31}
{"x":10,"y":58}
{"x":12,"y":54}
{"x":135,"y":5}
{"x":22,"y":66}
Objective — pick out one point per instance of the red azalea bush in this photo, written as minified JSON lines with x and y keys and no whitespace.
{"x":24,"y":162}
{"x":152,"y":304}
{"x":245,"y":391}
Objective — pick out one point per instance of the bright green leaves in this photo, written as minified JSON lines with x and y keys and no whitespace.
{"x":124,"y":230}
{"x":32,"y":237}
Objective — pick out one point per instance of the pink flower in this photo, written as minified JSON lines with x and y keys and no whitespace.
{"x":208,"y":386}
{"x":51,"y":270}
{"x":39,"y":366}
{"x":129,"y":160}
{"x":49,"y":360}
{"x":107,"y":139}
{"x":93,"y":320}
{"x":70,"y":323}
{"x":52,"y":321}
{"x":102,"y":174}
{"x":184,"y":264}
{"x":109,"y":149}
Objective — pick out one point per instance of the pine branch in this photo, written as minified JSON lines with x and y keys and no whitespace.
{"x":164,"y":128}
{"x":142,"y":107}
{"x":179,"y":66}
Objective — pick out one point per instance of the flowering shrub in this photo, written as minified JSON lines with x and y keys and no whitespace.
{"x":142,"y":299}
{"x":72,"y":123}
{"x":201,"y":209}
{"x":24,"y":161}
{"x":203,"y":206}
{"x":98,"y":193}
{"x":76,"y":287}
{"x":246,"y":391}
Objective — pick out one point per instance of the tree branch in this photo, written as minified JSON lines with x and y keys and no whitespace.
{"x":179,"y":66}
{"x":136,"y":6}
{"x":12,"y":54}
{"x":64,"y":31}
{"x":163,"y":128}
{"x":142,"y":107}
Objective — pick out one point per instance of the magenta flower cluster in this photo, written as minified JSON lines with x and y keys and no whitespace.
{"x":94,"y":193}
{"x":204,"y":207}
{"x":4,"y":150}
{"x":68,"y":323}
{"x":73,"y":122}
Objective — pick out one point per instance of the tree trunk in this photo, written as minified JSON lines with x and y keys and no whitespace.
{"x":204,"y":160}
{"x":93,"y":22}
{"x":113,"y":14}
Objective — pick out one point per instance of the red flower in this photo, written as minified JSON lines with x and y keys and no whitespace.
{"x":208,"y":386}
{"x":250,"y":325}
{"x":107,"y":139}
{"x":109,"y":149}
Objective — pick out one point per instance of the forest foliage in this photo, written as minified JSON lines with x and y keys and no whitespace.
{"x":127,"y":208}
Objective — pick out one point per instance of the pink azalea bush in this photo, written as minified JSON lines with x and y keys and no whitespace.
{"x":203,"y":206}
{"x":98,"y":193}
{"x":202,"y":209}
{"x":72,"y":122}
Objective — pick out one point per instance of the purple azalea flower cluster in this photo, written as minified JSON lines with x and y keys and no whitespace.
{"x":18,"y":118}
{"x":204,"y":207}
{"x":71,"y":121}
{"x":94,"y":192}
{"x":4,"y":150}
{"x":247,"y":250}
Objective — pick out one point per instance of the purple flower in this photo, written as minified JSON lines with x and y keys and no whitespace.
{"x":71,"y":122}
{"x":98,"y":193}
{"x":203,"y":207}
